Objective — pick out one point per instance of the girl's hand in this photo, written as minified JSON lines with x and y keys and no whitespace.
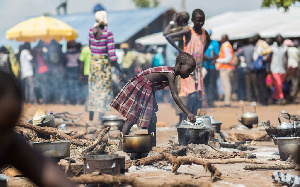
{"x":191,"y":117}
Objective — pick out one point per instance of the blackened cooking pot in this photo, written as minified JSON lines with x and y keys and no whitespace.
{"x":138,"y":143}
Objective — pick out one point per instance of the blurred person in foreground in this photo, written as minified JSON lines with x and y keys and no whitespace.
{"x":13,"y":148}
{"x":209,"y":60}
{"x":195,"y":42}
{"x":261,"y":57}
{"x":225,"y":64}
{"x":103,"y":56}
{"x":293,"y":54}
{"x":247,"y":52}
{"x":279,"y":68}
{"x":27,"y":73}
{"x":128,"y":62}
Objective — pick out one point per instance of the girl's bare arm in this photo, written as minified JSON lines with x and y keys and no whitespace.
{"x":174,"y":92}
{"x":181,"y":33}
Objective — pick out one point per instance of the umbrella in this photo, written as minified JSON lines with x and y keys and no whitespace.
{"x":43,"y":28}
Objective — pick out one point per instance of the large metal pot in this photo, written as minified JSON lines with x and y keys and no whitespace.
{"x":288,"y":146}
{"x":106,"y":164}
{"x":216,"y":124}
{"x":249,"y":118}
{"x":138,"y":143}
{"x":206,"y":120}
{"x":188,"y":134}
{"x":113,"y":121}
{"x":58,"y":149}
{"x":285,"y":125}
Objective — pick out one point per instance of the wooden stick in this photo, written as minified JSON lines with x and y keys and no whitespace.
{"x":178,"y":161}
{"x":269,"y":167}
{"x":119,"y":180}
{"x":97,"y":141}
{"x":79,"y":135}
{"x":46,"y":130}
{"x":233,"y":161}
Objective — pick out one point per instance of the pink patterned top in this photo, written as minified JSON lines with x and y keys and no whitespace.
{"x":104,"y":46}
{"x":195,"y":47}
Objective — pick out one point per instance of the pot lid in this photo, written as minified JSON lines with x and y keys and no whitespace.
{"x":214,"y":121}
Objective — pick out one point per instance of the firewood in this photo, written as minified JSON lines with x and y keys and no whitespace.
{"x":46,"y":131}
{"x":233,"y":161}
{"x":79,"y":135}
{"x":97,"y":141}
{"x":270,"y":167}
{"x":133,"y":181}
{"x":178,"y":161}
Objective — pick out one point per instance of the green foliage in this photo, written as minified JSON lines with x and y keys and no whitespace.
{"x":146,"y":3}
{"x":279,"y":3}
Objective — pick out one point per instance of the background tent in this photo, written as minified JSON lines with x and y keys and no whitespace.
{"x":244,"y":24}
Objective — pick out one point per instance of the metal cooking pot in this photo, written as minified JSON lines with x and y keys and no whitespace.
{"x":113,"y":121}
{"x":58,"y":149}
{"x":106,"y":164}
{"x":216,"y":124}
{"x":206,"y":120}
{"x":285,"y":125}
{"x":249,"y":118}
{"x":138,"y":143}
{"x":288,"y":146}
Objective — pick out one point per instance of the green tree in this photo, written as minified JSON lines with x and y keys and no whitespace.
{"x":279,"y":3}
{"x":146,"y":3}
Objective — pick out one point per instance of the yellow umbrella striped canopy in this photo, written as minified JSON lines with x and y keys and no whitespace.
{"x":43,"y":28}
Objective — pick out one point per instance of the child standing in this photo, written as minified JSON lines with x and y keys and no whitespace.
{"x":136,"y":101}
{"x":195,"y":42}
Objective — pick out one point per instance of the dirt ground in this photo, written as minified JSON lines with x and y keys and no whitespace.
{"x":233,"y":174}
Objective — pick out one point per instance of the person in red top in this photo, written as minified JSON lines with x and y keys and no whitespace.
{"x":136,"y":101}
{"x":225,"y":64}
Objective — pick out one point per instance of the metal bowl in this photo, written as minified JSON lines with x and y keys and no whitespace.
{"x":57,"y":149}
{"x":288,"y":146}
{"x":113,"y":121}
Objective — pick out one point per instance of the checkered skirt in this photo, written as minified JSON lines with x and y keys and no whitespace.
{"x":136,"y":101}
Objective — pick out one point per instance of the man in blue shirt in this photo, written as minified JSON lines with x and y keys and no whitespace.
{"x":210,"y":56}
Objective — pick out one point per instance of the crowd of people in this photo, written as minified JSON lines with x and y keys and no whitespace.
{"x":253,"y":69}
{"x":48,"y":75}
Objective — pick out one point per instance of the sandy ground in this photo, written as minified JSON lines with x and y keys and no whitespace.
{"x":233,"y":174}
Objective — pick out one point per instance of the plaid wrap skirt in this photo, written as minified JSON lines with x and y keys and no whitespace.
{"x":136,"y":101}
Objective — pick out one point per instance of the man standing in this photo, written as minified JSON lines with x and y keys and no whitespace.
{"x":27,"y":73}
{"x":262,"y":51}
{"x":210,"y":80}
{"x":225,"y":64}
{"x":84,"y":71}
{"x":128,"y":61}
{"x":247,"y":52}
{"x":278,"y":68}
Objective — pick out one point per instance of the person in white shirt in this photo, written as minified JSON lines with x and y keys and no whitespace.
{"x":293,"y":54}
{"x":27,"y":73}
